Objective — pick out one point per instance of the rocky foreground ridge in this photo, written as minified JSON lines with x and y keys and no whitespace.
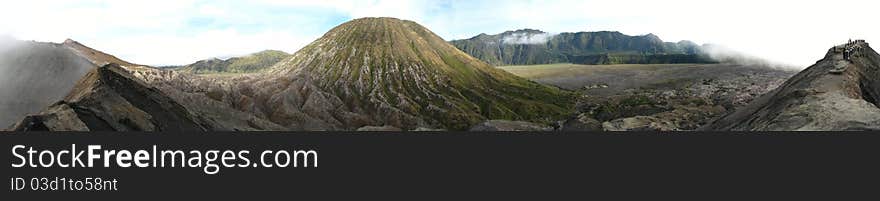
{"x":839,"y":92}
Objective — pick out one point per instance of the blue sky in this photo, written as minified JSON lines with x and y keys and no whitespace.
{"x":183,"y":31}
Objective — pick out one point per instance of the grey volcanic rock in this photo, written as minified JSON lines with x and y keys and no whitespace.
{"x":201,"y":96}
{"x":109,"y":99}
{"x":505,"y":125}
{"x":57,"y":118}
{"x":205,"y":97}
{"x":638,"y":123}
{"x":378,"y":128}
{"x":582,"y":123}
{"x":687,"y":96}
{"x":825,"y":96}
{"x":423,"y":129}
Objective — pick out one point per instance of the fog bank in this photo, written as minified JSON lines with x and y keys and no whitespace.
{"x":727,"y":55}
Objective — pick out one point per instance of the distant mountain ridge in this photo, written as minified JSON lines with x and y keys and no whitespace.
{"x":246,"y":64}
{"x":530,"y":46}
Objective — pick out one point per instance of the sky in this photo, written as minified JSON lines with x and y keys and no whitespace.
{"x":178,"y":32}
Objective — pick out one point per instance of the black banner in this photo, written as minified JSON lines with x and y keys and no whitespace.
{"x":464,"y":166}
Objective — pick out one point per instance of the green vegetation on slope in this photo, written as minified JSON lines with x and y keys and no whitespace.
{"x":247,"y":64}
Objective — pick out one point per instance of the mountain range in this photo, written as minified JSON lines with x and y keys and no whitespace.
{"x":529,"y":46}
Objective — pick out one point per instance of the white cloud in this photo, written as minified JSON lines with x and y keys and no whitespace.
{"x":527,"y":38}
{"x":157,"y":32}
{"x":153,"y":32}
{"x":409,"y":9}
{"x":169,"y":49}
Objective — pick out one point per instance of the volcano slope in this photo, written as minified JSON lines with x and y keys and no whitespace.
{"x":391,"y":72}
{"x":109,"y":98}
{"x":34,"y":75}
{"x":121,"y":96}
{"x":836,"y":93}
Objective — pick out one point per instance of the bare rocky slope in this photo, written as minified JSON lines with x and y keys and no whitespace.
{"x":667,"y":97}
{"x":109,"y":98}
{"x":121,"y":87}
{"x":391,"y":72}
{"x":839,"y":92}
{"x":194,"y":93}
